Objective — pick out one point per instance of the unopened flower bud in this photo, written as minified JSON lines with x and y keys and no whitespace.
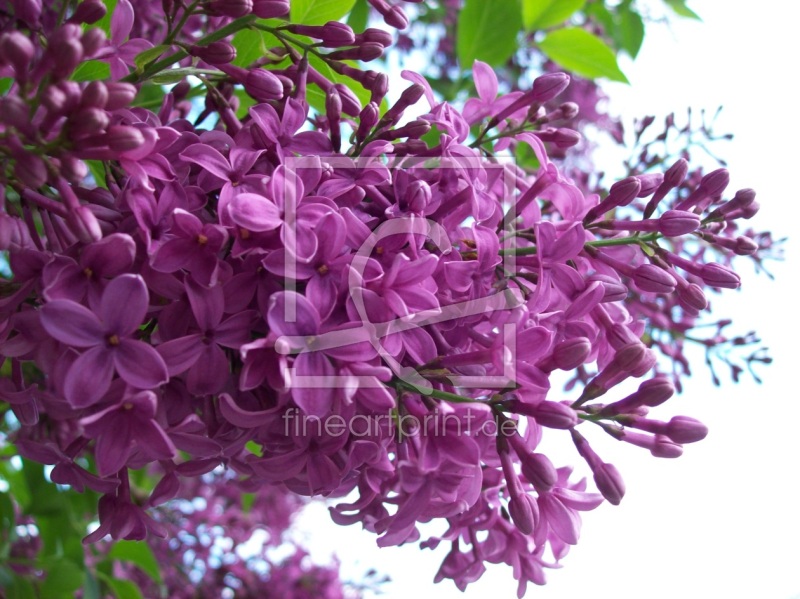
{"x":683,"y":429}
{"x":379,"y":88}
{"x":635,"y":358}
{"x":28,"y":11}
{"x":88,"y":11}
{"x":571,"y":353}
{"x":609,"y":482}
{"x":650,"y":182}
{"x":365,"y":52}
{"x":553,"y":414}
{"x":263,"y":85}
{"x":664,"y":447}
{"x":123,"y":138}
{"x":14,"y":111}
{"x":83,"y":223}
{"x":651,"y":393}
{"x":613,"y":288}
{"x":92,"y":40}
{"x":30,"y":169}
{"x":745,"y":246}
{"x":716,"y":275}
{"x":18,"y":51}
{"x":395,"y":17}
{"x":674,"y":223}
{"x":95,"y":95}
{"x":332,"y":34}
{"x":368,"y":118}
{"x":65,"y":55}
{"x":268,"y":9}
{"x":87,"y":122}
{"x":379,"y":36}
{"x":120,"y":94}
{"x":691,"y":296}
{"x":546,"y":87}
{"x":215,"y":53}
{"x":231,"y":8}
{"x":539,"y":470}
{"x":350,"y":103}
{"x":649,"y":277}
{"x":524,"y":512}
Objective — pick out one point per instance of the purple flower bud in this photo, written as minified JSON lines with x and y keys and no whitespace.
{"x":332,"y":34}
{"x":414,"y":130}
{"x":663,"y":447}
{"x":368,"y":118}
{"x":674,"y":223}
{"x":715,"y":182}
{"x":365,"y":52}
{"x":263,"y":85}
{"x":566,"y":138}
{"x":650,"y":183}
{"x":350,"y":103}
{"x":546,"y":87}
{"x":268,"y":9}
{"x":649,"y":277}
{"x":14,"y":111}
{"x":379,"y":36}
{"x":613,"y":289}
{"x":418,"y":196}
{"x":623,"y":192}
{"x":92,"y":40}
{"x":635,"y":358}
{"x":539,"y":470}
{"x":745,"y":246}
{"x":83,"y":223}
{"x":88,"y":11}
{"x":120,"y":94}
{"x":123,"y":138}
{"x":691,"y":296}
{"x":571,"y":353}
{"x":609,"y":482}
{"x":95,"y":95}
{"x":552,"y":414}
{"x":87,"y":122}
{"x":231,"y":8}
{"x":395,"y":17}
{"x":683,"y":429}
{"x":215,"y":53}
{"x":30,"y":169}
{"x":676,"y":174}
{"x":65,"y":55}
{"x":651,"y":393}
{"x":716,"y":275}
{"x":524,"y":512}
{"x":333,"y":104}
{"x":73,"y":169}
{"x":379,"y":88}
{"x":28,"y":11}
{"x":17,"y":50}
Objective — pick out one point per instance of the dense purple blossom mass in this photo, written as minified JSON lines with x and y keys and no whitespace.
{"x":334,"y":300}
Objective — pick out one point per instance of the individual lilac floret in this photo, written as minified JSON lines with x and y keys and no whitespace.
{"x":109,"y":339}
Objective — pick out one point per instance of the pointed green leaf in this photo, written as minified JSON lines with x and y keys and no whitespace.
{"x":629,"y":34}
{"x":541,"y":14}
{"x":319,"y":12}
{"x":679,"y":8}
{"x":148,"y":56}
{"x":359,"y":16}
{"x":63,"y":579}
{"x":91,"y":70}
{"x":582,"y":53}
{"x":139,"y":554}
{"x":105,"y":22}
{"x":252,"y":44}
{"x":122,"y":589}
{"x":487,"y":31}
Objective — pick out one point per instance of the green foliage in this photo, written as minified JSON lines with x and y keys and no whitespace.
{"x":105,"y":22}
{"x":139,"y":554}
{"x":252,"y":44}
{"x":487,"y":31}
{"x":148,"y":56}
{"x":680,"y":9}
{"x":92,"y":70}
{"x":319,"y":12}
{"x":579,"y":51}
{"x":541,"y":14}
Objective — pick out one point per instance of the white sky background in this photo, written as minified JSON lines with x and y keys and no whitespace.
{"x":724,"y":519}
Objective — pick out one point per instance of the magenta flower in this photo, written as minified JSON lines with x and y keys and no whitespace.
{"x":108,"y":339}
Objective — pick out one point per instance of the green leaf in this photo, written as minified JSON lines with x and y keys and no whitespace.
{"x":45,"y":498}
{"x":582,"y":53}
{"x":139,"y":554}
{"x":358,"y":19}
{"x":487,"y":31}
{"x":144,"y":58}
{"x":63,"y":579}
{"x":5,"y":84}
{"x":122,"y":589}
{"x":91,"y":70}
{"x":541,"y":14}
{"x":629,"y":35}
{"x":319,"y":12}
{"x":252,"y":44}
{"x":98,"y":172}
{"x":22,"y":588}
{"x":679,"y":8}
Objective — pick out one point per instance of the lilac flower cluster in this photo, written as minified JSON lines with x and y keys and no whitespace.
{"x":219,"y":296}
